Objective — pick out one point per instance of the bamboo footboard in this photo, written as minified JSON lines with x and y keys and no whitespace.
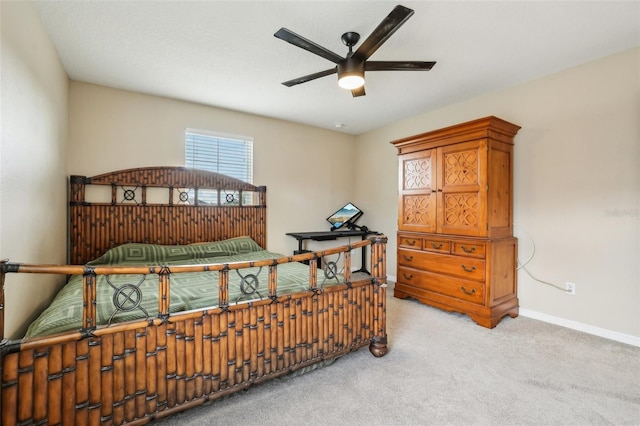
{"x":133,"y":372}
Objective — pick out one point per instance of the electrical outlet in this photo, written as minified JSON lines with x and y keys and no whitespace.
{"x":570,"y":288}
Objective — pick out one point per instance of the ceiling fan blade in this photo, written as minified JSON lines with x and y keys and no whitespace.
{"x":310,"y":77}
{"x":398,"y":66}
{"x":358,"y":92}
{"x":383,"y":31}
{"x":308,"y":45}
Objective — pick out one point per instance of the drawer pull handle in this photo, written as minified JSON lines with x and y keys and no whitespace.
{"x":436,"y":246}
{"x":407,"y":277}
{"x":470,"y":293}
{"x":411,"y":243}
{"x":473,"y":268}
{"x":468,"y":250}
{"x":407,"y":258}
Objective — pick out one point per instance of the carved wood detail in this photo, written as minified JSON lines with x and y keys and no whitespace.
{"x":417,"y":173}
{"x":417,"y":209}
{"x":461,"y":210}
{"x":461,"y":168}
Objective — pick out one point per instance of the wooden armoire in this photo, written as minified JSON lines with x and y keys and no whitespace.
{"x":456,"y":249}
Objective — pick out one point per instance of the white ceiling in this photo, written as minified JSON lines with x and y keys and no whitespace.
{"x":223,"y":53}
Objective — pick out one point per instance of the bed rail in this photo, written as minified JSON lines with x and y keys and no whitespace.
{"x":164,"y":272}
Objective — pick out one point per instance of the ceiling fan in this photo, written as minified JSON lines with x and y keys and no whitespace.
{"x":351,"y":68}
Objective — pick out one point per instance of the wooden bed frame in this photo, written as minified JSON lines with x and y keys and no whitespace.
{"x":136,"y":371}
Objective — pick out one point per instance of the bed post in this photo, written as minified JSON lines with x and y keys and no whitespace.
{"x":2,"y":274}
{"x":378,"y":346}
{"x":3,"y":341}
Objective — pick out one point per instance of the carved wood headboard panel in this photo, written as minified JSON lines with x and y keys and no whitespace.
{"x":161,"y":205}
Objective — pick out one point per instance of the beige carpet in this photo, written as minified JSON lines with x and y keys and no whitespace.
{"x":443,"y":369}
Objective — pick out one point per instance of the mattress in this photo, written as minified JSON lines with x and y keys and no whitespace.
{"x":129,"y":297}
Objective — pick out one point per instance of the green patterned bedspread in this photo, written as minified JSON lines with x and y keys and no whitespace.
{"x":190,"y":290}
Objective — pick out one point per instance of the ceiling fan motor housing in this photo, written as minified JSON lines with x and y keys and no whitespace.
{"x":351,"y":66}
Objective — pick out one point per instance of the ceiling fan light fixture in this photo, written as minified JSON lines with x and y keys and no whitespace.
{"x":351,"y":82}
{"x":351,"y":74}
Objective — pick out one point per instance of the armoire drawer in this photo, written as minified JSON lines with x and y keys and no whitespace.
{"x":470,"y":291}
{"x":436,"y":245}
{"x":410,"y":242}
{"x":468,"y":248}
{"x":464,"y":267}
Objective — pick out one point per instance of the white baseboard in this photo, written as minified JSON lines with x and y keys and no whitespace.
{"x":574,"y":325}
{"x":586,"y":328}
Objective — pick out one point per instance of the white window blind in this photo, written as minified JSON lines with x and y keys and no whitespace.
{"x":226,"y":154}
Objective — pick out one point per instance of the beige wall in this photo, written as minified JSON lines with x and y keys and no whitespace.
{"x":33,"y":194}
{"x":308,"y":171}
{"x":577,"y":186}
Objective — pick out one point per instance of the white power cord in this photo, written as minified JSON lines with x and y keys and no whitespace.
{"x":533,"y":251}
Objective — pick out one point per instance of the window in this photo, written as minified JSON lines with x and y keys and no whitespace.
{"x":226,"y":154}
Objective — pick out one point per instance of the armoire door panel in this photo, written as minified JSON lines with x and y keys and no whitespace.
{"x":462,"y":164}
{"x":461,"y":213}
{"x":417,"y":200}
{"x":462,"y":182}
{"x":417,"y":213}
{"x":417,"y":171}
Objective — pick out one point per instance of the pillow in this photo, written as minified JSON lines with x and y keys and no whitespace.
{"x":139,"y":253}
{"x":155,"y":254}
{"x":232,"y":246}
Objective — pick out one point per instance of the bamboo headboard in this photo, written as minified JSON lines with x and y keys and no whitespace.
{"x":161,"y":205}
